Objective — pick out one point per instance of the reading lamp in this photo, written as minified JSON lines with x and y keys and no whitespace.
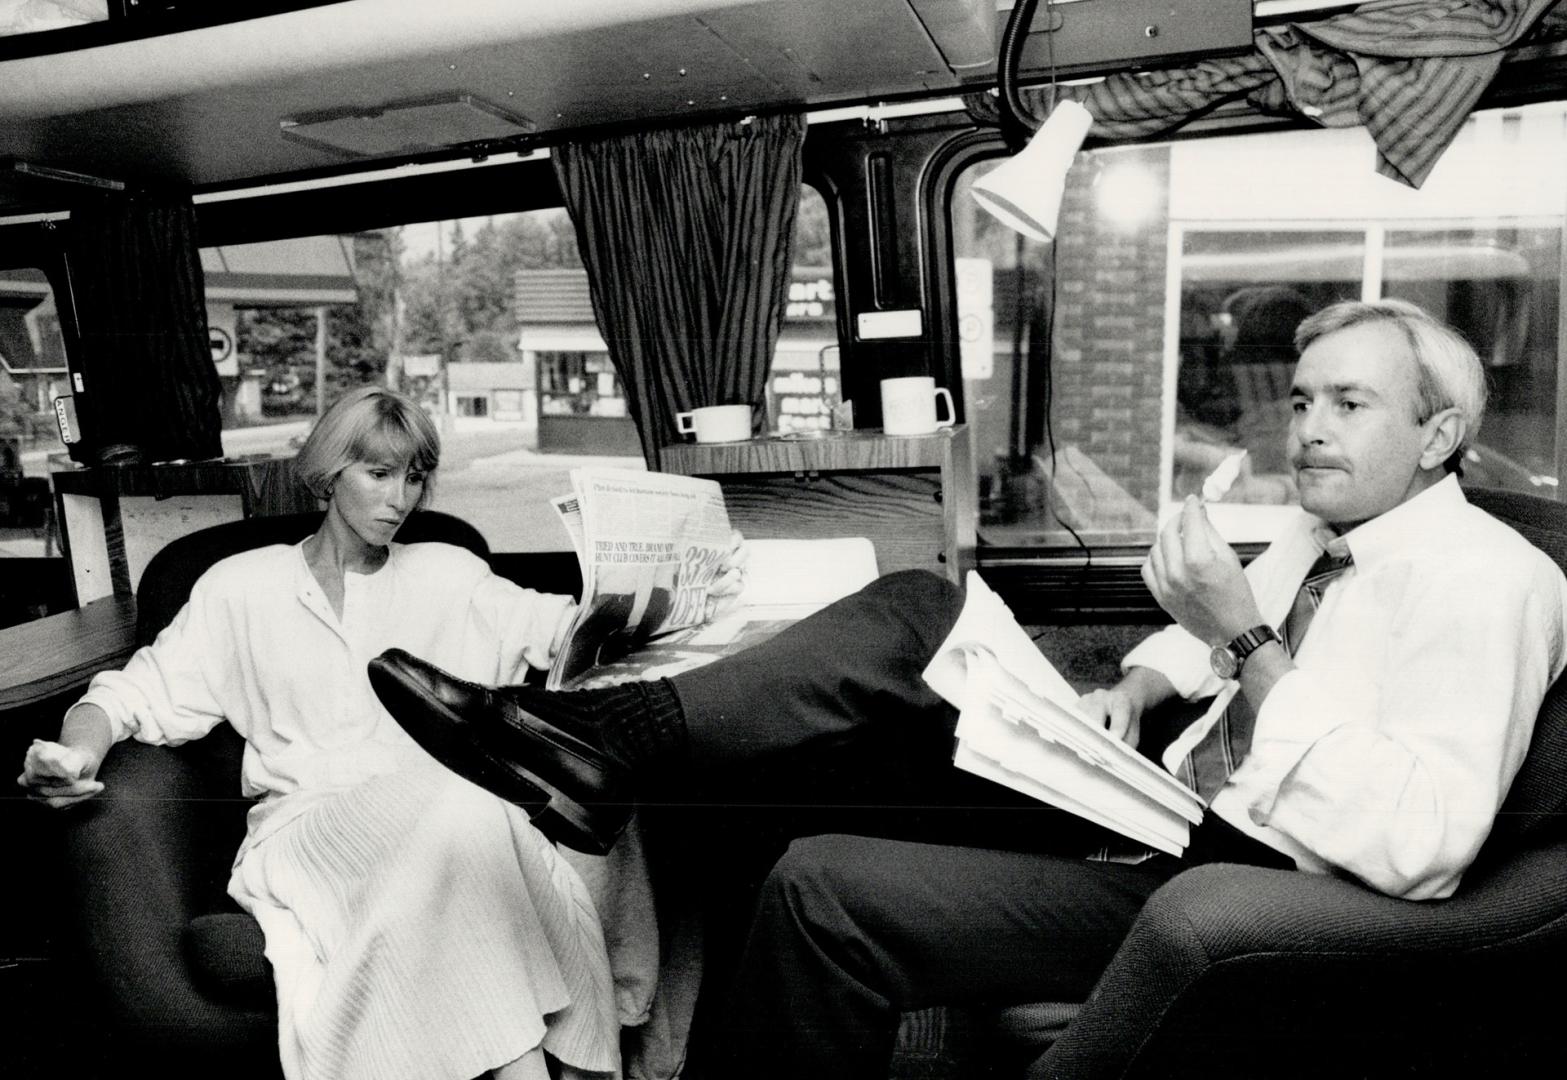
{"x":1025,"y":191}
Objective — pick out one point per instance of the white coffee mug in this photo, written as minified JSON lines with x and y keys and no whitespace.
{"x":908,"y":405}
{"x":716,"y":423}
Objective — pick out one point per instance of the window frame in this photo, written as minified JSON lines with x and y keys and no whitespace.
{"x":1041,"y":572}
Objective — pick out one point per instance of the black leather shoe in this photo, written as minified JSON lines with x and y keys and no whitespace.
{"x":567,"y":786}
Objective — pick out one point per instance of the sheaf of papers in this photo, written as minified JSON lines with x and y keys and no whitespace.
{"x":1019,"y":725}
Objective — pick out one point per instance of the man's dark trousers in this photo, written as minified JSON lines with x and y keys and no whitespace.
{"x":827,"y":728}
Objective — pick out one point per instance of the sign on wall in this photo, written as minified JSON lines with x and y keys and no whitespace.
{"x":222,"y":330}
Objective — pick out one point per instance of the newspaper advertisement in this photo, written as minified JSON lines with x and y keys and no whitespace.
{"x":650,"y":545}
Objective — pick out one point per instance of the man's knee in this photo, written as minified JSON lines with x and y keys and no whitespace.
{"x":809,"y":884}
{"x":918,"y":598}
{"x":917,"y":587}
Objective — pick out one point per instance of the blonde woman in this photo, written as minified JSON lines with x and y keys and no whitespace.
{"x":417,"y":926}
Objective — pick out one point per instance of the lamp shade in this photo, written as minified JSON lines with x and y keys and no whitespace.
{"x":1025,"y":192}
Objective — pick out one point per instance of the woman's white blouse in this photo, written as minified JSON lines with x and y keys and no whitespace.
{"x":258,"y":645}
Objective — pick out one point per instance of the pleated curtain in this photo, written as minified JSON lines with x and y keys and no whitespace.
{"x":687,"y":236}
{"x":147,"y":389}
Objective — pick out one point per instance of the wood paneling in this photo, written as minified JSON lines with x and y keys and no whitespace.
{"x":913,"y":496}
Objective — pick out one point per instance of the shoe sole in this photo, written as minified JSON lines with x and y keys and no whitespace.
{"x":561,"y":818}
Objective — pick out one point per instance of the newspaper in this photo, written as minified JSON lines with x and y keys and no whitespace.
{"x":650,"y":545}
{"x":785,"y":580}
{"x":1019,"y":725}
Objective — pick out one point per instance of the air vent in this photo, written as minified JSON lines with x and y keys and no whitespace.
{"x":406,"y":127}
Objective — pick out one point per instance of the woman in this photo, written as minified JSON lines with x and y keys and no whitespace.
{"x":417,"y":926}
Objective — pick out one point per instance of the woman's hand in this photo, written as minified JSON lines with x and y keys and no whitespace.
{"x":59,"y":775}
{"x":725,"y":590}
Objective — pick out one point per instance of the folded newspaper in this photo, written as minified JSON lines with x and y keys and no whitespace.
{"x":1020,"y":726}
{"x":651,"y":546}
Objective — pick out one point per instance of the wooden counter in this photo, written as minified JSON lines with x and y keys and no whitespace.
{"x":57,"y":653}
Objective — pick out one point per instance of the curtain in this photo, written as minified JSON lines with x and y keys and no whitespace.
{"x":687,"y":236}
{"x":1411,"y":71}
{"x":145,"y":386}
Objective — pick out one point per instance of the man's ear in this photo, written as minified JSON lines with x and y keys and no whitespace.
{"x":1445,"y":433}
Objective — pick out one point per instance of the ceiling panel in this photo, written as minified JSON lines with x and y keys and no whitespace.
{"x":222,"y":126}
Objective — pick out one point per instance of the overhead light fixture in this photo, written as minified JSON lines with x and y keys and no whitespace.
{"x":1025,"y":191}
{"x":406,"y":127}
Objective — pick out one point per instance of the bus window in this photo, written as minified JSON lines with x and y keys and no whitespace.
{"x":1113,"y":372}
{"x":32,"y":374}
{"x":803,"y":389}
{"x":489,"y":322}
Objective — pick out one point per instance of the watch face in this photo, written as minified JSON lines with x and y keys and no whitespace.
{"x":1223,"y":661}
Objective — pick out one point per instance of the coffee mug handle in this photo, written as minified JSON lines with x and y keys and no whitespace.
{"x":685,"y":422}
{"x":942,"y":394}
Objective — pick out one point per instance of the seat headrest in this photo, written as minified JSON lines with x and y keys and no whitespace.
{"x":1535,"y":804}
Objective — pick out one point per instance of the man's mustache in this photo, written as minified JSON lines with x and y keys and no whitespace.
{"x":1317,"y":461}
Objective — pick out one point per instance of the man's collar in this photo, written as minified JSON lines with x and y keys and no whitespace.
{"x":1410,"y":522}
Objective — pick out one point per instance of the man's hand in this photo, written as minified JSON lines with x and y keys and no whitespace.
{"x":730,"y":583}
{"x":1120,"y":709}
{"x":1197,"y":578}
{"x":1115,"y":710}
{"x":59,"y":775}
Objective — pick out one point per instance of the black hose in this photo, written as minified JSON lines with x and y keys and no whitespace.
{"x":1016,"y":123}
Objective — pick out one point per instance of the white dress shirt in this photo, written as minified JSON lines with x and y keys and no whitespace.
{"x":1387,"y":751}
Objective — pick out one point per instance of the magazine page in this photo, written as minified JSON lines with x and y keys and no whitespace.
{"x":1019,"y":725}
{"x":786,"y":580}
{"x":652,"y":544}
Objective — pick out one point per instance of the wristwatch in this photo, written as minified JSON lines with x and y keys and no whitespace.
{"x":1227,"y":660}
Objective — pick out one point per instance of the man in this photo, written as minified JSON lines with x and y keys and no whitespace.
{"x":1378,"y":745}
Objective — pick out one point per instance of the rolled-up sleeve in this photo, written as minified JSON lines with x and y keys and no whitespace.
{"x":165,"y":693}
{"x":1183,"y":659}
{"x":1400,"y":788}
{"x":524,"y":623}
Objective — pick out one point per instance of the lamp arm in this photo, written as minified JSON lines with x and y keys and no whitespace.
{"x":1016,"y":125}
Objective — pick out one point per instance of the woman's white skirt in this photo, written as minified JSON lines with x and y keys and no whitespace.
{"x":420,"y":928}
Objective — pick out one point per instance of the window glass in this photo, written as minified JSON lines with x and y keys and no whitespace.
{"x":489,"y":323}
{"x":803,"y":388}
{"x":1106,"y":374}
{"x":32,"y":374}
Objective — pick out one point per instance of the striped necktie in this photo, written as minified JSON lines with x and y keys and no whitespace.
{"x":1214,"y":758}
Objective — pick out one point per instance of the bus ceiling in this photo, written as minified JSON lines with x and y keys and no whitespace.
{"x":271,"y":90}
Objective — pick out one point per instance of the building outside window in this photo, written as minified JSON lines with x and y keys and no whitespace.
{"x":1180,"y":273}
{"x":32,"y":375}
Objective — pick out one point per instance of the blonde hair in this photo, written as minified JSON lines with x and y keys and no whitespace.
{"x":368,"y":424}
{"x":1448,"y":375}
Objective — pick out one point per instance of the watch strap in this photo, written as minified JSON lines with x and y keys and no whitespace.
{"x":1243,"y":645}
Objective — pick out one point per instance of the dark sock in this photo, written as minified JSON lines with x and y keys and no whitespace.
{"x":636,"y":724}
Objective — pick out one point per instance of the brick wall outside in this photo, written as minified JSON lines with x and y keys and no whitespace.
{"x":1109,"y":332}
